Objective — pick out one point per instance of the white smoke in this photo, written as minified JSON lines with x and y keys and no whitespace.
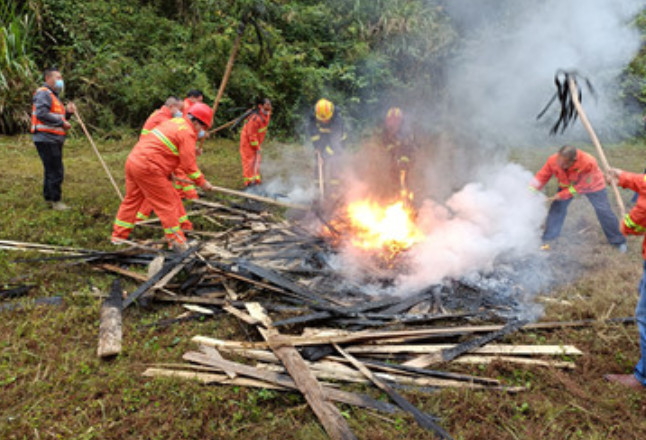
{"x":487,"y":219}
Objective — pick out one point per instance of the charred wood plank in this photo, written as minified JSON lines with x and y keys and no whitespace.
{"x":424,"y":420}
{"x":152,"y":282}
{"x":449,"y":354}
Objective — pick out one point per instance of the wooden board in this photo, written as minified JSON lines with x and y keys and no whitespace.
{"x":110,"y":327}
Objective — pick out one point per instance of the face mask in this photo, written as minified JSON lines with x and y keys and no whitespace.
{"x":59,"y":84}
{"x":201,"y":134}
{"x":178,"y":114}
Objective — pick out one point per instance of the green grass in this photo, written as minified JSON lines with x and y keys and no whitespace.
{"x":53,"y":386}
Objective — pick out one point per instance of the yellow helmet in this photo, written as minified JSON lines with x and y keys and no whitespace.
{"x":324,"y":110}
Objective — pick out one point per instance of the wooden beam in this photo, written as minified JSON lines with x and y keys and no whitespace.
{"x":423,"y":419}
{"x":110,"y":328}
{"x":328,"y":414}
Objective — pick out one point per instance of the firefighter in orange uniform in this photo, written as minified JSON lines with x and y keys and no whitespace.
{"x":398,"y":140}
{"x":171,"y":109}
{"x":577,"y":173}
{"x":49,"y":125}
{"x":635,"y":224}
{"x":253,"y":135}
{"x":192,"y":97}
{"x":148,"y":173}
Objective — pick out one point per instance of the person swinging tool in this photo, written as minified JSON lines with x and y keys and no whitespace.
{"x":172,"y":108}
{"x":398,"y":142}
{"x":577,"y":173}
{"x":327,"y":133}
{"x":251,"y":139}
{"x":148,"y":174}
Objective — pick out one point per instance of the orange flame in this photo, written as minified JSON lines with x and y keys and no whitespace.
{"x":391,"y":228}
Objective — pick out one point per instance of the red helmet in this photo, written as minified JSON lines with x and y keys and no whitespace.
{"x":202,"y":113}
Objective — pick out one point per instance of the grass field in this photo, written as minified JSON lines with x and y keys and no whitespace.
{"x":52,"y":386}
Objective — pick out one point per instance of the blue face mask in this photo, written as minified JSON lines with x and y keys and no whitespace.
{"x":201,"y":134}
{"x":59,"y":84}
{"x":178,"y":114}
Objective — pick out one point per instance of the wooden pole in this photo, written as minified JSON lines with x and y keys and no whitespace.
{"x":321,"y":181}
{"x":574,"y":91}
{"x":96,"y":150}
{"x":227,"y":73}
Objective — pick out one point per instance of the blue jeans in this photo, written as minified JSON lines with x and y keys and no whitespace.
{"x":607,"y":218}
{"x":640,"y":314}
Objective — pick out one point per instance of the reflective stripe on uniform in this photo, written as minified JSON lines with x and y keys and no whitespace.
{"x":248,"y":179}
{"x":533,"y":189}
{"x":141,"y":216}
{"x":404,"y":159}
{"x":315,"y":138}
{"x":325,"y":130}
{"x":123,"y":224}
{"x":329,"y":150}
{"x":254,"y":143}
{"x":630,"y":224}
{"x":173,"y":230}
{"x":572,"y":190}
{"x":262,"y":130}
{"x":144,"y":131}
{"x":166,"y":141}
{"x":195,"y":175}
{"x":188,"y":188}
{"x":183,"y":219}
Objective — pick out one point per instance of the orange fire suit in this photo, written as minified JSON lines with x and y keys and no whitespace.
{"x":184,"y":190}
{"x":253,"y":135}
{"x":584,"y":176}
{"x":187,"y":106}
{"x":148,"y":177}
{"x":635,"y":221}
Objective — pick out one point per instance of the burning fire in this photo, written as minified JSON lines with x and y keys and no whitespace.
{"x":391,"y":228}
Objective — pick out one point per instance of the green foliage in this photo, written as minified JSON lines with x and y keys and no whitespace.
{"x":122,"y":58}
{"x":17,"y":68}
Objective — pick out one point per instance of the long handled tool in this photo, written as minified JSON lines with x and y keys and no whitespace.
{"x":321,"y":177}
{"x":569,"y":95}
{"x":96,"y":150}
{"x":595,"y":140}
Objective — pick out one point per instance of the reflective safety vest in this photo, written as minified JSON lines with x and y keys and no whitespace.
{"x":57,"y":108}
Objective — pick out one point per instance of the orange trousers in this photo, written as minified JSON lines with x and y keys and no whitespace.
{"x":250,"y":163}
{"x":185,"y":191}
{"x":144,"y":182}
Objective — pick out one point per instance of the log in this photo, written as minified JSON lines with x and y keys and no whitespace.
{"x":328,"y":414}
{"x":492,"y":349}
{"x":423,"y":419}
{"x":209,"y":378}
{"x":110,"y":328}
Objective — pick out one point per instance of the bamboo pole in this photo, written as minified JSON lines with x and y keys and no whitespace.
{"x":96,"y":150}
{"x":574,"y":92}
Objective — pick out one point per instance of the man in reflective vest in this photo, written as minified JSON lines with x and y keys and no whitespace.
{"x":49,"y":125}
{"x":635,"y":224}
{"x":148,"y":173}
{"x":327,"y":133}
{"x":577,"y":173}
{"x":251,"y":139}
{"x":171,"y":109}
